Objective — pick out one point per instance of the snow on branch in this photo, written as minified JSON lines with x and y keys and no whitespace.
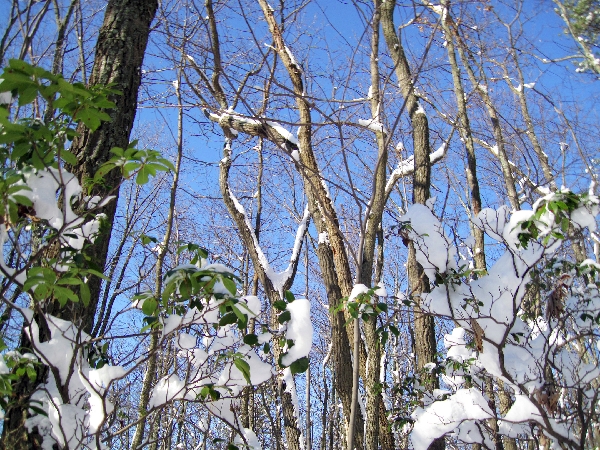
{"x":40,"y":188}
{"x":457,"y":413}
{"x":524,"y":179}
{"x":260,"y":127}
{"x":74,"y":394}
{"x":278,"y":279}
{"x":407,"y":167}
{"x":292,"y":58}
{"x":373,"y":125}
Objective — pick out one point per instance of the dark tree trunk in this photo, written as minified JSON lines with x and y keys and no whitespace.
{"x":119,"y":55}
{"x":120,"y":52}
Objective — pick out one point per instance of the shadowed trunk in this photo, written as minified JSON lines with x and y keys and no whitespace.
{"x":119,"y":55}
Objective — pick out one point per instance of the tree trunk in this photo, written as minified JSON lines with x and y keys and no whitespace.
{"x":119,"y":55}
{"x":340,"y":350}
{"x":425,"y":341}
{"x":378,"y":434}
{"x":482,"y":90}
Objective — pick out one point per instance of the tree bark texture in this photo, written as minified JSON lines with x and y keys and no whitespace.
{"x":467,"y":138}
{"x":425,"y":341}
{"x":118,"y":61}
{"x":378,"y":434}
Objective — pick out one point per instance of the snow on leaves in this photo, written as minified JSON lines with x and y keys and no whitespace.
{"x":199,"y":309}
{"x":517,"y":348}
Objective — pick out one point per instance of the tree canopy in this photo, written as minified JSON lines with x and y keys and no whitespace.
{"x":241,"y":224}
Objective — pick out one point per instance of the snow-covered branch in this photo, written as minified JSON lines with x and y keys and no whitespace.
{"x":259,"y":127}
{"x":407,"y":166}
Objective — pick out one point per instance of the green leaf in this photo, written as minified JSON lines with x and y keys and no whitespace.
{"x":69,"y":281}
{"x":266,"y":347}
{"x":284,"y":317}
{"x":117,"y":151}
{"x":103,"y":170}
{"x":90,"y":117}
{"x":242,"y":318}
{"x":382,"y":307}
{"x":27,"y":95}
{"x":148,"y":239}
{"x":149,"y":306}
{"x":353,"y":309}
{"x":16,"y":187}
{"x":300,"y":365}
{"x":280,"y":305}
{"x":13,"y":212}
{"x":251,"y":339}
{"x":168,"y":165}
{"x":214,"y":394}
{"x":209,"y":390}
{"x":30,"y":282}
{"x":289,"y":296}
{"x":228,"y":319}
{"x":243,"y":367}
{"x":142,"y":176}
{"x":98,"y":274}
{"x":564,"y":224}
{"x":152,"y":322}
{"x":84,"y":291}
{"x":561,"y":205}
{"x":229,"y":285}
{"x":394,"y":330}
{"x":38,"y":271}
{"x":39,"y":277}
{"x":384,"y":337}
{"x":22,"y":200}
{"x":37,"y":410}
{"x":68,"y":157}
{"x":185,"y":288}
{"x":204,"y":392}
{"x":64,"y":294}
{"x":104,"y":117}
{"x":169,"y":289}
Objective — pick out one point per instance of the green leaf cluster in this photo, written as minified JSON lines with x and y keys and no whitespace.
{"x":561,"y":205}
{"x":300,"y":365}
{"x":584,"y":16}
{"x":28,"y":145}
{"x":209,"y":391}
{"x":15,"y":367}
{"x":142,"y":164}
{"x":42,"y":143}
{"x":45,"y":283}
{"x":363,"y":306}
{"x":14,"y":198}
{"x":281,"y":305}
{"x":384,"y":332}
{"x":189,"y":286}
{"x":454,"y":277}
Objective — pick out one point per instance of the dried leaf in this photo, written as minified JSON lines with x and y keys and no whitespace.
{"x":478,"y":332}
